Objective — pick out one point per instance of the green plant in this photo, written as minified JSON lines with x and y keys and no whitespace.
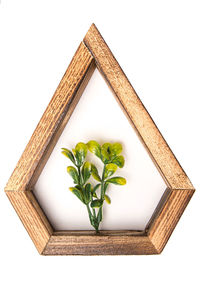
{"x":94,"y":196}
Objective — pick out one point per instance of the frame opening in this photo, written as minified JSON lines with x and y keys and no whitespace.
{"x":129,"y":210}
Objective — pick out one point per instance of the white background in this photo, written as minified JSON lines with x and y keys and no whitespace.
{"x":98,"y":116}
{"x":157,"y":45}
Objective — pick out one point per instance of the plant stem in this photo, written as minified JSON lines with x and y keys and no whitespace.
{"x":88,"y":209}
{"x":92,"y":217}
{"x":79,"y":173}
{"x":92,"y":214}
{"x":102,"y":182}
{"x":102,"y":198}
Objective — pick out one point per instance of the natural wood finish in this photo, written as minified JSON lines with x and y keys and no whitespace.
{"x":106,"y":243}
{"x":47,"y":132}
{"x":166,"y":220}
{"x":180,"y":189}
{"x":32,"y":217}
{"x":139,"y":117}
{"x":91,"y":53}
{"x":41,"y":144}
{"x":159,"y":207}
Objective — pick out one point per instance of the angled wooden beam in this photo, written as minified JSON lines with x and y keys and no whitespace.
{"x":41,"y":144}
{"x":180,"y":189}
{"x":107,"y":243}
{"x":92,"y":52}
{"x":140,"y":119}
{"x":32,"y":217}
{"x":167,"y":218}
{"x":53,"y":121}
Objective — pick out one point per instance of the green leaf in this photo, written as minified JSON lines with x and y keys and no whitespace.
{"x":94,"y":195}
{"x":99,"y":215}
{"x":96,"y":203}
{"x":80,"y":153}
{"x":92,"y":220}
{"x":86,"y":171}
{"x":119,"y":161}
{"x":107,"y":198}
{"x":105,"y":157}
{"x":116,"y":149}
{"x":77,"y":192}
{"x":94,"y":190}
{"x":106,"y":152}
{"x":73,"y":173}
{"x":88,"y":193}
{"x":68,"y":154}
{"x":82,"y":149}
{"x":117,"y":180}
{"x":107,"y":147}
{"x":96,"y":187}
{"x":79,"y":188}
{"x":95,"y":173}
{"x":95,"y":148}
{"x":106,"y":186}
{"x":110,"y":169}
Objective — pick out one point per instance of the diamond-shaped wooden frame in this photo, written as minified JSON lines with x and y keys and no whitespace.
{"x":94,"y":52}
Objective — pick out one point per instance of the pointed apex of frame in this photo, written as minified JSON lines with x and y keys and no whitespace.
{"x":93,"y":30}
{"x":93,"y":26}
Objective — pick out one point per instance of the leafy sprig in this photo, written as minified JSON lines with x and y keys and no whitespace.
{"x":94,"y":196}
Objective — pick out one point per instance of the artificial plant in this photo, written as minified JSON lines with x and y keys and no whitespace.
{"x":93,"y":196}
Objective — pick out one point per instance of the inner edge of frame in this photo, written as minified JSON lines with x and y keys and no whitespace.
{"x":62,"y":123}
{"x":47,"y":152}
{"x":54,"y":139}
{"x":168,"y":189}
{"x":130,"y":120}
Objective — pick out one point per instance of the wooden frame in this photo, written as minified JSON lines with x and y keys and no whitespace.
{"x":94,"y":52}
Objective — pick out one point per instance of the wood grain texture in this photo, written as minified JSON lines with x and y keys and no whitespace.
{"x":32,"y":217}
{"x":165,"y":222}
{"x":92,"y":52}
{"x":105,"y":243}
{"x":140,"y":119}
{"x":159,"y":208}
{"x":47,"y":131}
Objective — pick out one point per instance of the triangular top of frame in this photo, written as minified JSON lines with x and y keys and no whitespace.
{"x":93,"y":51}
{"x":139,"y":117}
